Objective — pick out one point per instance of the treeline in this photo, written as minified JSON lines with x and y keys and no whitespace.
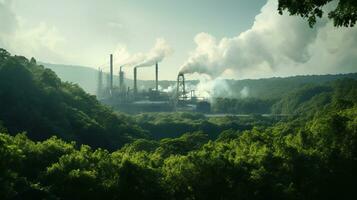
{"x":314,"y":159}
{"x":171,"y":125}
{"x":277,"y":87}
{"x":299,"y":100}
{"x":310,"y":99}
{"x":242,"y":105}
{"x":35,"y":100}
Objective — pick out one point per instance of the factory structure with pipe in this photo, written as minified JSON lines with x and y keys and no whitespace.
{"x":132,"y":100}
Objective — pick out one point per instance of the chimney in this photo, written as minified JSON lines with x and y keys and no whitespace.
{"x":111,"y":72}
{"x":121,"y":79}
{"x":135,"y":84}
{"x":181,"y":90}
{"x":157,"y":77}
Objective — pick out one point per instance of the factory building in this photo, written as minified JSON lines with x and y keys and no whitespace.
{"x":132,"y":100}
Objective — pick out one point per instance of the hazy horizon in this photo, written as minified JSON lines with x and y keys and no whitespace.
{"x":193,"y":78}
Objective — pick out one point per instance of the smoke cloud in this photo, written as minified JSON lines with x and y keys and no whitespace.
{"x":209,"y":88}
{"x":276,"y":46}
{"x":161,"y":50}
{"x":157,"y":54}
{"x":244,"y":93}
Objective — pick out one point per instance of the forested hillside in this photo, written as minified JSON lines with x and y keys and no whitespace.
{"x":35,"y":100}
{"x":310,"y":99}
{"x":304,"y":97}
{"x":85,"y":77}
{"x":274,"y":88}
{"x":312,"y":158}
{"x":310,"y":154}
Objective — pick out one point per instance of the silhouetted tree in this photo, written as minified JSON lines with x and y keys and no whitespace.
{"x":345,"y":14}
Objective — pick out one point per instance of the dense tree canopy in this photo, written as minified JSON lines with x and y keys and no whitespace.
{"x":77,"y":149}
{"x":313,"y":159}
{"x":345,"y":13}
{"x":33,"y":99}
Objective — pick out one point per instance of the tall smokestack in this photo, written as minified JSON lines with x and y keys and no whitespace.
{"x":157,"y":77}
{"x":121,"y":79}
{"x":181,"y":90}
{"x":111,"y":71}
{"x":135,"y":84}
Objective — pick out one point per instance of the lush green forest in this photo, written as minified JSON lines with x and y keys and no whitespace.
{"x":76,"y":148}
{"x":294,"y":97}
{"x":35,"y":100}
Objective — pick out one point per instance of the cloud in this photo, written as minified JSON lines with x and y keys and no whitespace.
{"x":7,"y":19}
{"x":17,"y":36}
{"x":276,"y":46}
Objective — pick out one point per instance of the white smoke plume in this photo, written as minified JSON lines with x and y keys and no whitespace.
{"x":209,"y":88}
{"x":161,"y":50}
{"x":169,"y":89}
{"x":244,"y":93}
{"x":157,"y":54}
{"x":276,"y":46}
{"x":124,"y":58}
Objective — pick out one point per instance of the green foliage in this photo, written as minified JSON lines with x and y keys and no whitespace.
{"x":311,"y":158}
{"x":33,"y":99}
{"x":242,"y":106}
{"x":273,"y":89}
{"x":291,"y":103}
{"x":310,"y":155}
{"x":343,"y":15}
{"x":182,"y":145}
{"x":311,"y":99}
{"x":172,"y":125}
{"x":141,"y":145}
{"x":262,"y":94}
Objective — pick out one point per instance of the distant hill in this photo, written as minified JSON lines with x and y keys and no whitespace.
{"x":276,"y":87}
{"x":266,"y":88}
{"x":311,"y":99}
{"x":86,"y":77}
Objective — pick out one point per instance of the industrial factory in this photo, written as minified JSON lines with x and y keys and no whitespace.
{"x":128,"y":99}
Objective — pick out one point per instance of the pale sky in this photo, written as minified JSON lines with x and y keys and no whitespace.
{"x":85,"y":32}
{"x":91,"y":29}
